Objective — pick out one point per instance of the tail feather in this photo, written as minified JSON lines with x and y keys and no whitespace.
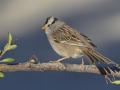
{"x":95,"y":57}
{"x":100,"y":59}
{"x":91,"y":60}
{"x":105,"y":59}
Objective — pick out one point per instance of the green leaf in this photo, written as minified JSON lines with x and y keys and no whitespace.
{"x":1,"y":74}
{"x":116,"y":82}
{"x":9,"y":38}
{"x":7,"y":60}
{"x":6,"y":46}
{"x":12,"y":47}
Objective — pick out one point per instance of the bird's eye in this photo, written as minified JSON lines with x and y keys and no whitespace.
{"x":48,"y":25}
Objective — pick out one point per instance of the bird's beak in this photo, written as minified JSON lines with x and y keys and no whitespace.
{"x":43,"y":27}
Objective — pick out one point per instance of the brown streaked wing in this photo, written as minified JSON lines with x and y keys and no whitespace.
{"x":70,"y":36}
{"x":89,"y":40}
{"x":63,"y":36}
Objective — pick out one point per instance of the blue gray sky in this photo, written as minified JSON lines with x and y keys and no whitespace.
{"x":98,"y":19}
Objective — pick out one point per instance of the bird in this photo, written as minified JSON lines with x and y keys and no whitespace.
{"x":69,"y":43}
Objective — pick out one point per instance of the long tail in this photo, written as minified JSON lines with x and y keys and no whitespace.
{"x":95,"y":57}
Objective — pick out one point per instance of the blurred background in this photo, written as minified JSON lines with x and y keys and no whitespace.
{"x":98,"y":19}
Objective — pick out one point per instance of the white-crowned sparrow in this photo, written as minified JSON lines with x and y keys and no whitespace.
{"x":68,"y":42}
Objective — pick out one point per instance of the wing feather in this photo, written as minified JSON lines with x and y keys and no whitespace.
{"x":68,"y":35}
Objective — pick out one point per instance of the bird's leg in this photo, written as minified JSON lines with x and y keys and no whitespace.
{"x":82,"y":61}
{"x":62,"y":59}
{"x":58,"y":61}
{"x":83,"y":64}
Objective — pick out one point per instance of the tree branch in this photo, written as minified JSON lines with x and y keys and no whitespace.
{"x":60,"y":67}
